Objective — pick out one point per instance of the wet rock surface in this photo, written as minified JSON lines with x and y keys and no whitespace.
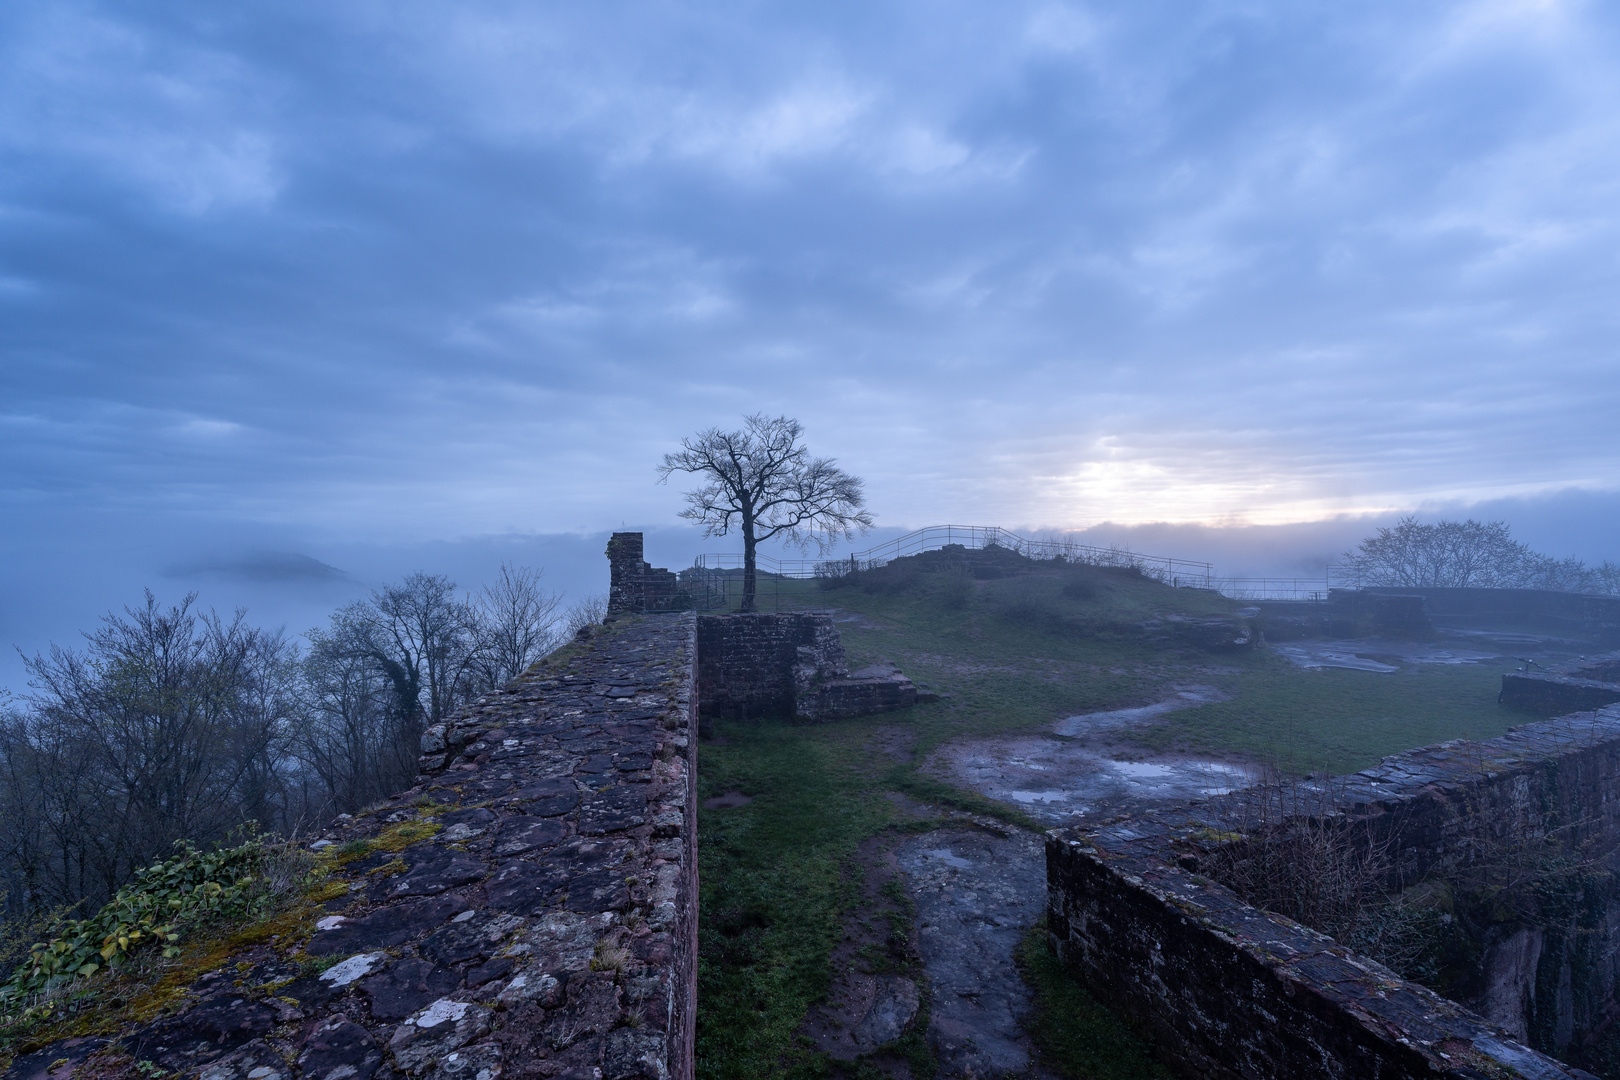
{"x":976,"y":894}
{"x":551,"y":827}
{"x":1079,"y":773}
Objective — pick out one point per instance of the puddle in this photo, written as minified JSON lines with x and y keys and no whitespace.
{"x":1093,"y":723}
{"x":727,"y":801}
{"x":1208,"y":777}
{"x":1374,"y":654}
{"x":1056,"y":780}
{"x":945,"y":856}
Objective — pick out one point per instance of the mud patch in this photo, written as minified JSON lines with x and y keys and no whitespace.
{"x":976,"y":893}
{"x":728,"y":801}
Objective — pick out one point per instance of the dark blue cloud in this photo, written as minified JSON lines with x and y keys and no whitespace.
{"x":406,"y":273}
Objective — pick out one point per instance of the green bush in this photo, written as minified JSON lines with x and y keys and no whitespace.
{"x":146,"y":914}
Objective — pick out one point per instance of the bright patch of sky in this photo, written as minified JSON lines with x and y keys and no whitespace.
{"x":308,"y":277}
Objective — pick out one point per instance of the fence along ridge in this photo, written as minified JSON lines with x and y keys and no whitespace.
{"x":933,"y":537}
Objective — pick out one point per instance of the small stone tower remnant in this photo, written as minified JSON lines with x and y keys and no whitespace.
{"x":633,"y":584}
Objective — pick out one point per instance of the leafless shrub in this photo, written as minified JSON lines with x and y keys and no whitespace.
{"x":588,"y":612}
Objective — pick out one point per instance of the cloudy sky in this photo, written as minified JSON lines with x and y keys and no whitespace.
{"x":362,"y":282}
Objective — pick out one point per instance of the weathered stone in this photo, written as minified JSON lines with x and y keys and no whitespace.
{"x":489,"y":971}
{"x":433,"y":869}
{"x":473,"y":935}
{"x":406,"y":987}
{"x":630,"y":1054}
{"x":55,"y":1062}
{"x":613,"y":810}
{"x":481,"y":1062}
{"x":256,"y":1060}
{"x":382,"y":929}
{"x":339,"y":1050}
{"x":203,"y":1031}
{"x":548,"y":798}
{"x":522,"y":834}
{"x":443,"y":1026}
{"x":525,"y":888}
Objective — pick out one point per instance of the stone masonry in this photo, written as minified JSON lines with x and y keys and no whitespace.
{"x":1587,"y":683}
{"x":634,"y":585}
{"x":528,"y":909}
{"x":1232,"y":991}
{"x":788,"y":665}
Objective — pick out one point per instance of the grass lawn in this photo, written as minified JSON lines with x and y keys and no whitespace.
{"x":1013,"y":654}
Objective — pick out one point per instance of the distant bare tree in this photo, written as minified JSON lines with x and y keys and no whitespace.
{"x":1454,"y":554}
{"x":762,"y":482}
{"x":420,"y":636}
{"x":1469,"y":554}
{"x":518,"y":623}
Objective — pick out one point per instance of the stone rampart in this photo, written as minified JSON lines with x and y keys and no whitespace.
{"x":528,"y":909}
{"x":1232,"y":991}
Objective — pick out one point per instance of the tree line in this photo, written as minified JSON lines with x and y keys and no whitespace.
{"x":1468,"y":554}
{"x":171,"y":723}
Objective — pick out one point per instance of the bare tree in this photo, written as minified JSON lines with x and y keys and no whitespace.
{"x":1456,"y":554}
{"x":762,"y":482}
{"x":588,"y":612}
{"x":421,"y":637}
{"x":168,"y":726}
{"x":1469,"y":554}
{"x":517,"y":624}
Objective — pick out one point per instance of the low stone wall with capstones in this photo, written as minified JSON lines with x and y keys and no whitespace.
{"x":529,"y":909}
{"x":1230,"y":990}
{"x":1587,"y":683}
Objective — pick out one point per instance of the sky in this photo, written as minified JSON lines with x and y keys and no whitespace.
{"x":385,"y":286}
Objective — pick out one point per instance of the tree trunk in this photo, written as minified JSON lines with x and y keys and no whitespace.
{"x":749,"y":576}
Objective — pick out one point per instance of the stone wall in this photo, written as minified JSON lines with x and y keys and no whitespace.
{"x":1574,"y":616}
{"x":528,"y":909}
{"x":1572,"y":687}
{"x":634,"y":585}
{"x":787,"y":665}
{"x":1230,"y":990}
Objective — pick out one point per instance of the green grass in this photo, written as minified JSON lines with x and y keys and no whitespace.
{"x":1075,"y":1034}
{"x":773,"y":887}
{"x":1013,"y":655}
{"x":1338,"y":720}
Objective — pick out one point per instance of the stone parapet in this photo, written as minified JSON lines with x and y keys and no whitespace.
{"x":528,"y":909}
{"x":1587,"y":683}
{"x":1230,"y":990}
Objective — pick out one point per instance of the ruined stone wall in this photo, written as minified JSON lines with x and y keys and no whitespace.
{"x":1573,"y":687}
{"x":788,"y":665}
{"x":757,"y":665}
{"x":1577,"y":616}
{"x":528,"y":909}
{"x":1231,"y":990}
{"x":634,"y":585}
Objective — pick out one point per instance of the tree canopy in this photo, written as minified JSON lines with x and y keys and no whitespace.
{"x":762,"y":482}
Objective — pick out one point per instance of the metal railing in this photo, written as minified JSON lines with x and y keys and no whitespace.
{"x":714,"y":581}
{"x":975,"y":537}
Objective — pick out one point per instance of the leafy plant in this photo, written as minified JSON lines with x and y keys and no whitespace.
{"x":146,"y":914}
